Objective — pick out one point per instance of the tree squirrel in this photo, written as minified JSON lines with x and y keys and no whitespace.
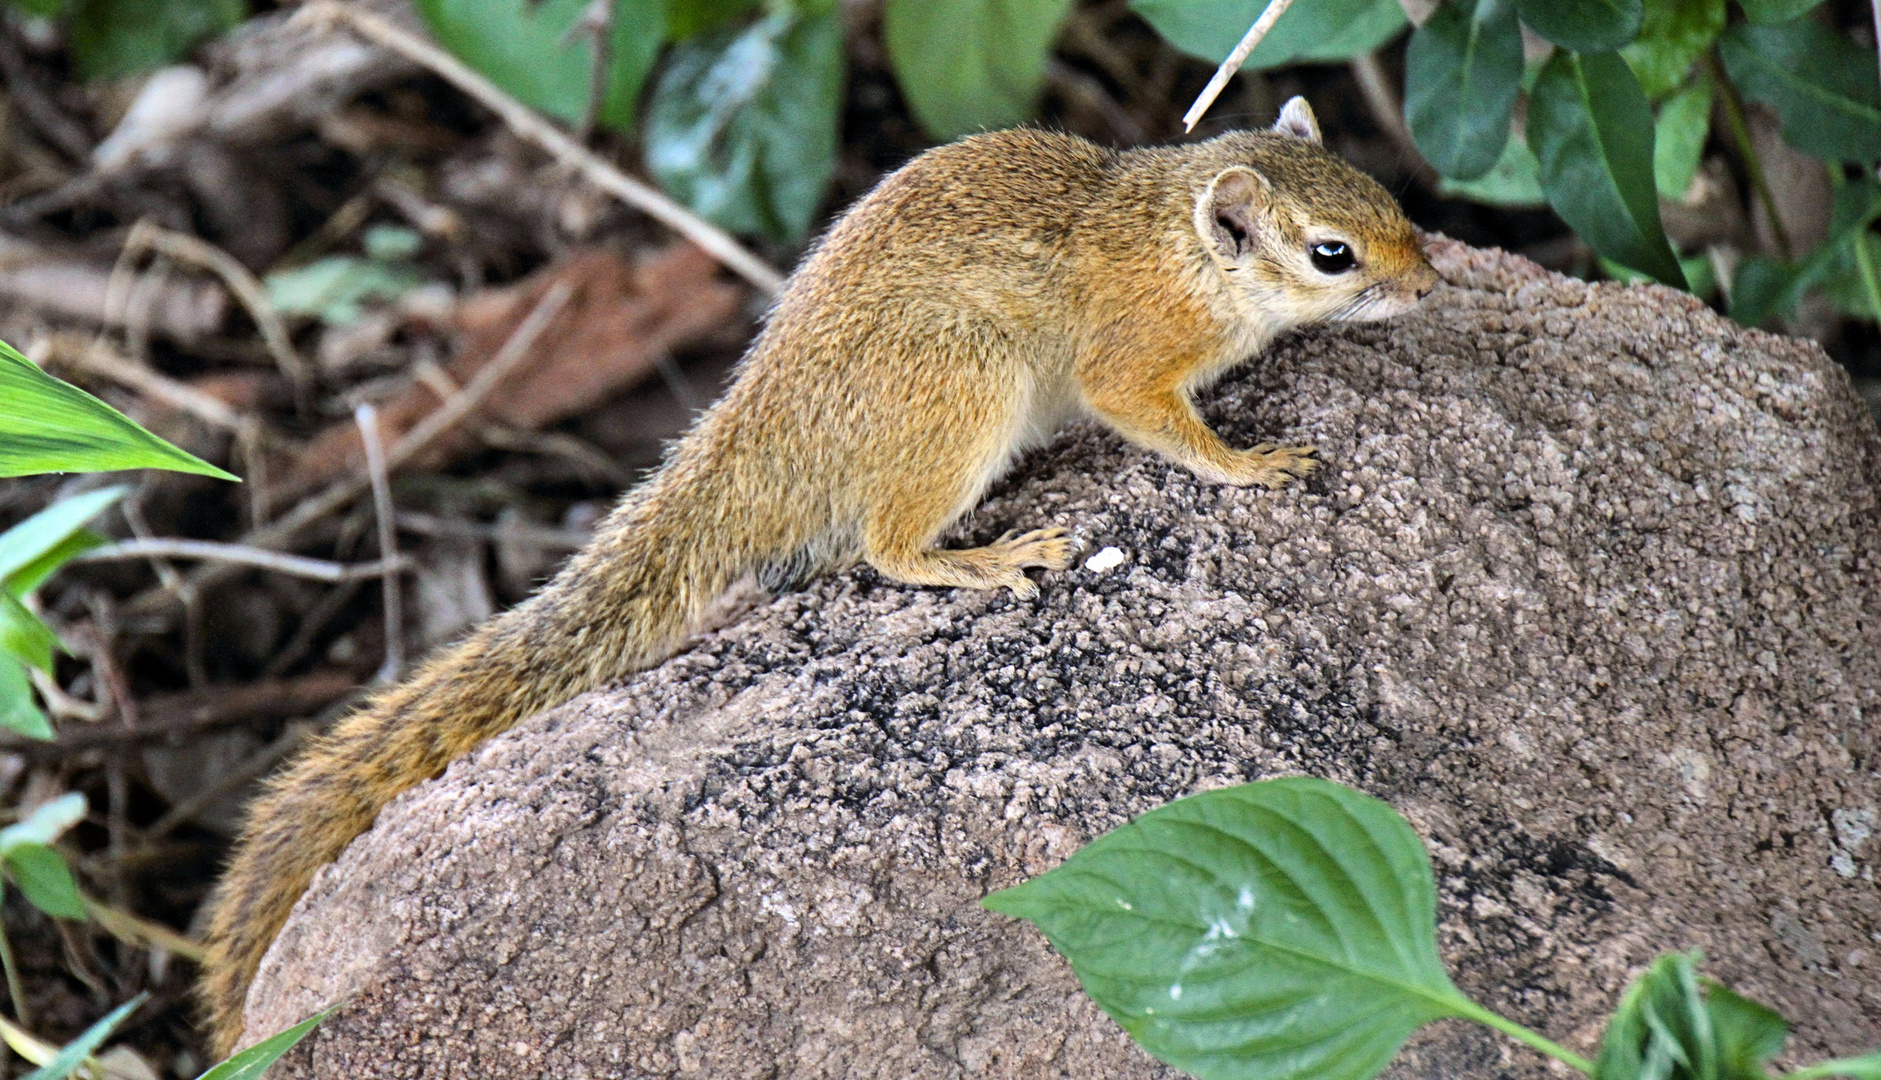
{"x":956,"y":315}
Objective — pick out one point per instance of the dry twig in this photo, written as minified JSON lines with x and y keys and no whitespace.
{"x":368,"y":420}
{"x":1249,"y":41}
{"x":244,"y":555}
{"x":530,"y":125}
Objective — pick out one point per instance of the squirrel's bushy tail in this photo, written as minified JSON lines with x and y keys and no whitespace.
{"x":618,"y":606}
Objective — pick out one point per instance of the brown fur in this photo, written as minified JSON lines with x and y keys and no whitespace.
{"x":956,"y":315}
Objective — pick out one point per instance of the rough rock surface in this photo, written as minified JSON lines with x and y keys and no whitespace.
{"x":1588,"y":588}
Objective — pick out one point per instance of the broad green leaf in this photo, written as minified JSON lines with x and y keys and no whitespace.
{"x":336,"y":288}
{"x":1678,"y":142}
{"x":1674,"y":35}
{"x":684,"y":18}
{"x":40,"y":535}
{"x":23,"y":636}
{"x":1515,"y":181}
{"x":1661,"y":1027}
{"x":76,"y":1051}
{"x":1588,"y":26}
{"x":43,"y":878}
{"x":1591,"y":130}
{"x":47,"y":425}
{"x":251,"y":1063}
{"x":1462,"y":71}
{"x":1368,"y":30}
{"x":1765,"y":12}
{"x":1820,"y":83}
{"x":45,"y":824}
{"x":970,"y":65}
{"x":522,"y":46}
{"x":1765,"y":289}
{"x":18,"y":712}
{"x":111,"y":38}
{"x":742,"y":126}
{"x":1210,"y":30}
{"x":1279,"y":929}
{"x":1749,"y":1035}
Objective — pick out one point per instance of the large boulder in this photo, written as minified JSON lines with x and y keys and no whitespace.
{"x":1587,"y":588}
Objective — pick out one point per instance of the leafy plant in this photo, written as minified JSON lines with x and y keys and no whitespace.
{"x":1287,"y":929}
{"x":250,"y":1064}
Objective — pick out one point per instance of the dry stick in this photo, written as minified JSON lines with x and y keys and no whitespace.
{"x":1271,"y":14}
{"x":146,"y":235}
{"x":193,"y":666}
{"x":242,"y":554}
{"x":526,"y":123}
{"x":597,"y":22}
{"x":435,"y":424}
{"x":367,"y":418}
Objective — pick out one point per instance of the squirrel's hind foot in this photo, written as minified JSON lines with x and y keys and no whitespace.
{"x":1271,"y":466}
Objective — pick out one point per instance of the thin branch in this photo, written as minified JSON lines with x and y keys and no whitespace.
{"x":1268,"y":16}
{"x":244,"y":555}
{"x":530,"y":125}
{"x":147,"y":235}
{"x":367,"y":418}
{"x":1736,"y":120}
{"x":597,"y":23}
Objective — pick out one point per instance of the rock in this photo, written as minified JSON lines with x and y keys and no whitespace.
{"x":1588,"y":588}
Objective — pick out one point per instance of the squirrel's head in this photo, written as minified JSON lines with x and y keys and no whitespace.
{"x":1296,"y":230}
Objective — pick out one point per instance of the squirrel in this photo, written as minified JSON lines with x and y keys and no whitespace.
{"x":978,"y":297}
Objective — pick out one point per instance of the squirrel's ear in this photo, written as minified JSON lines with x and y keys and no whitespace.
{"x":1228,"y":214}
{"x":1297,"y":120}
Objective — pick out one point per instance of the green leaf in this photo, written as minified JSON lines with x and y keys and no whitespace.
{"x":1765,"y":289}
{"x":1462,"y":71}
{"x":1279,"y":929}
{"x":18,"y":712}
{"x":111,"y":38}
{"x":336,"y":288}
{"x":43,"y":878}
{"x":519,"y":44}
{"x":970,"y":65}
{"x":742,"y":126}
{"x":1749,"y":1034}
{"x":40,"y":535}
{"x":1515,"y":181}
{"x":254,"y":1061}
{"x":1678,"y":142}
{"x":45,"y":9}
{"x":45,"y":824}
{"x":685,"y":18}
{"x":75,"y":1052}
{"x":1865,"y":1067}
{"x":1591,"y":130}
{"x":1674,"y":35}
{"x":33,"y":574}
{"x":1765,"y":12}
{"x":47,"y":425}
{"x":1845,"y":283}
{"x":1588,"y":26}
{"x":1699,"y":275}
{"x":24,"y":636}
{"x":1211,"y":30}
{"x":1365,"y":32}
{"x":1820,"y":83}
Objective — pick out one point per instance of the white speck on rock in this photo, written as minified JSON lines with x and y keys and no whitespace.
{"x":1107,"y":559}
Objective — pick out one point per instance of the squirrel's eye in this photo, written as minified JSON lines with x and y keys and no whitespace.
{"x":1332,"y":257}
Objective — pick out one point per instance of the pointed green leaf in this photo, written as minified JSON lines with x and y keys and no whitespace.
{"x":1674,"y":35}
{"x":24,"y":636}
{"x":1462,"y":71}
{"x":742,"y":126}
{"x":1591,"y":130}
{"x":1821,"y":84}
{"x":75,"y":1052}
{"x":1678,"y":142}
{"x":45,"y":824}
{"x":1309,"y":29}
{"x":51,"y":426}
{"x":19,"y":713}
{"x":251,"y":1063}
{"x":1749,"y":1035}
{"x":524,"y":47}
{"x":42,"y":534}
{"x":1765,"y":12}
{"x":1279,"y":929}
{"x":1589,"y":26}
{"x":44,"y":879}
{"x":970,"y":65}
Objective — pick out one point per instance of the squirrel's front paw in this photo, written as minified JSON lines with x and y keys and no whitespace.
{"x":1273,"y":466}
